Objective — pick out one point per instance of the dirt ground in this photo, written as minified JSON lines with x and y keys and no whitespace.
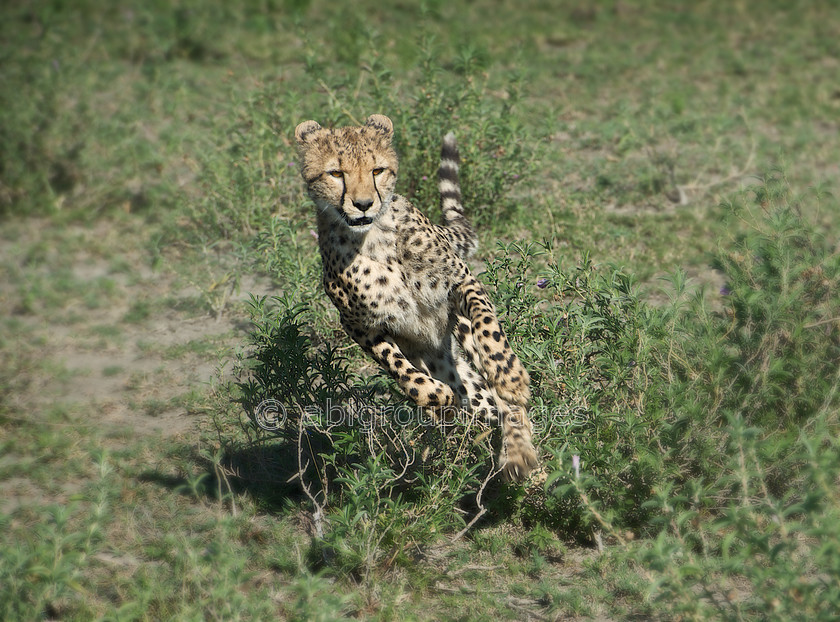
{"x":94,"y":335}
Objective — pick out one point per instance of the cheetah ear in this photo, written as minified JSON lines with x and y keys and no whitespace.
{"x":381,"y":123}
{"x":305,"y":131}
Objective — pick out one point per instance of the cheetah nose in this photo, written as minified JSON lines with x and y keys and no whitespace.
{"x":363,"y":204}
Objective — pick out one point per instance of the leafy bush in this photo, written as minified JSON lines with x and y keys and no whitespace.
{"x":768,"y":359}
{"x":589,"y":344}
{"x":490,"y":139}
{"x":597,"y":396}
{"x":754,"y":388}
{"x":382,"y":476}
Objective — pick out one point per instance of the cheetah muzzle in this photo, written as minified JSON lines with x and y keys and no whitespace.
{"x":402,"y":287}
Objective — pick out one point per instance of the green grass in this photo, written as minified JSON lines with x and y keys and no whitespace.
{"x":652,"y":185}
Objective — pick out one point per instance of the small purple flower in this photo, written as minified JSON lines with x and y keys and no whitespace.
{"x":424,"y":178}
{"x":516,"y":176}
{"x":542,"y":283}
{"x":725,"y":291}
{"x":290,"y":164}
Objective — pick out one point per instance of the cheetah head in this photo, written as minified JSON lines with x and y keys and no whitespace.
{"x":350,"y":171}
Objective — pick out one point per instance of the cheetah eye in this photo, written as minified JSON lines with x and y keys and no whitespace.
{"x":336,"y":173}
{"x":377,"y":171}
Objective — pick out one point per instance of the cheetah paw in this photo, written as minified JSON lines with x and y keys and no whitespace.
{"x":518,"y":461}
{"x":438,"y":394}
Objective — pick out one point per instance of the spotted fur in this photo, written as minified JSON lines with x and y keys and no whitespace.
{"x":402,"y":288}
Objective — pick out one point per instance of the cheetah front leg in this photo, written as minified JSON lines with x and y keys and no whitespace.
{"x":519,"y":456}
{"x":424,"y":390}
{"x":487,"y":346}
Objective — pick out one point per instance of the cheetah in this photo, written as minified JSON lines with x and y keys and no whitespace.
{"x":401,"y":285}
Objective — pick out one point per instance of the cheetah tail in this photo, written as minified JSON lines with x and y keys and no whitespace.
{"x":456,"y":227}
{"x":450,"y":187}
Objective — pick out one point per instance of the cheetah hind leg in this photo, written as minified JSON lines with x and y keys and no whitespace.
{"x":518,"y":456}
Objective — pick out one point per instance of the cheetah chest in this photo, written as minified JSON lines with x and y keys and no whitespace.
{"x":376,"y":289}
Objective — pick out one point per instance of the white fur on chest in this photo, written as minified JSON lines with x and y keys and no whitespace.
{"x":380,"y":291}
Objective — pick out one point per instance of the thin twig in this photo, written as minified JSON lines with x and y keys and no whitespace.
{"x":318,"y":514}
{"x":493,"y":472}
{"x":461,"y":533}
{"x":221,"y":476}
{"x":821,"y":322}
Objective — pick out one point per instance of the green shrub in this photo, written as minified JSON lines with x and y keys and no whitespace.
{"x":490,"y":138}
{"x":751,"y":524}
{"x":588,"y":342}
{"x":769,"y":357}
{"x":597,"y":396}
{"x":710,"y":422}
{"x":382,"y":476}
